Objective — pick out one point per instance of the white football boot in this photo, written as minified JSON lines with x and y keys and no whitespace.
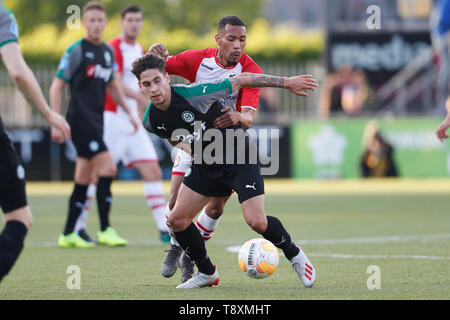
{"x":304,"y":268}
{"x":200,"y":280}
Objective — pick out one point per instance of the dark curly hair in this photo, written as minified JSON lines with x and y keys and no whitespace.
{"x":148,"y":61}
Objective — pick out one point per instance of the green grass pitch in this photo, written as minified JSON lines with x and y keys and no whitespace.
{"x":406,"y":234}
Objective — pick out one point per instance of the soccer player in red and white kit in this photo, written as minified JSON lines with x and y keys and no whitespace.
{"x":132,"y":149}
{"x":210,"y":64}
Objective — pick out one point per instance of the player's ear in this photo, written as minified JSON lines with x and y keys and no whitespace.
{"x":167,"y":77}
{"x":217,"y":38}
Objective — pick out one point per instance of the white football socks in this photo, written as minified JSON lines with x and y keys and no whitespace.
{"x":154,"y":193}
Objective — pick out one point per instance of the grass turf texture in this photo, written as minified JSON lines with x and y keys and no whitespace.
{"x":309,"y":211}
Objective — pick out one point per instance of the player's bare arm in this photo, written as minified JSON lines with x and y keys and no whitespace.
{"x":296,"y":84}
{"x":26,"y":82}
{"x":180,"y":145}
{"x":232,"y":117}
{"x":441,"y":131}
{"x":115,"y":90}
{"x":55,"y":97}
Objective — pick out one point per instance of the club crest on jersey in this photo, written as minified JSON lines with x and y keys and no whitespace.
{"x":188,"y":116}
{"x":97,"y":71}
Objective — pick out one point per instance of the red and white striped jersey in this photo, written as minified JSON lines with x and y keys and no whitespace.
{"x":124,"y":54}
{"x":203,"y":65}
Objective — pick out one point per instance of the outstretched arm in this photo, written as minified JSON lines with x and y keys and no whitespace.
{"x":25,"y":80}
{"x":295,"y":84}
{"x":441,"y":131}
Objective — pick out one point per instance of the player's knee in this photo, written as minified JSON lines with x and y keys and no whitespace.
{"x":22,"y":215}
{"x":215,"y":211}
{"x":178,"y":223}
{"x":258,"y":225}
{"x":108,"y":171}
{"x":152,"y":173}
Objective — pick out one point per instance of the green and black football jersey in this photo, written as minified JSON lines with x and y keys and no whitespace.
{"x":87,"y":68}
{"x":189,"y":104}
{"x":9,"y":32}
{"x":192,"y":108}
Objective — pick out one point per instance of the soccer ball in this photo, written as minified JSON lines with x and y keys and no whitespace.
{"x":258,"y":258}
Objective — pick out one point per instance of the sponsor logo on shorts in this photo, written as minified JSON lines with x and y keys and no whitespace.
{"x":20,"y":172}
{"x":248,"y":186}
{"x":93,"y":146}
{"x":188,"y":172}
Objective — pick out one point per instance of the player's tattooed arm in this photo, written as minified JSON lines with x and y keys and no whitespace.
{"x":295,"y":84}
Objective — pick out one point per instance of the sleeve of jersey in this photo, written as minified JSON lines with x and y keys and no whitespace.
{"x":202,"y":95}
{"x":9,"y":31}
{"x":115,"y":67}
{"x":248,"y":97}
{"x":118,"y":57}
{"x":184,"y":64}
{"x":69,"y":63}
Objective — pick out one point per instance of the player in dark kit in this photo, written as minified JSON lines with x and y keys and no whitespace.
{"x":189,"y":114}
{"x":225,"y":60}
{"x":88,"y":68}
{"x":13,"y":200}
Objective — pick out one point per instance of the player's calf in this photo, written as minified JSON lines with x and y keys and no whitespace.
{"x":12,"y":238}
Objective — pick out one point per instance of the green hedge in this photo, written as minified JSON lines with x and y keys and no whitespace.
{"x":45,"y":45}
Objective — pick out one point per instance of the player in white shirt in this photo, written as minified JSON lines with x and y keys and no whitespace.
{"x":134,"y":150}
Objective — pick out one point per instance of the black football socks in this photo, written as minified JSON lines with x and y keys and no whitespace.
{"x":194,"y":246}
{"x":76,"y":204}
{"x":11,"y":244}
{"x":278,"y":235}
{"x":104,"y":200}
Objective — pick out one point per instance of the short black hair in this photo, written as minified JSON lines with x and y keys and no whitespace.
{"x":233,"y":20}
{"x":130,"y":8}
{"x":146,"y":62}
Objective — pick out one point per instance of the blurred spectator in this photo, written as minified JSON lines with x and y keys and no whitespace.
{"x":439,"y":27}
{"x":378,"y":157}
{"x":344,"y":92}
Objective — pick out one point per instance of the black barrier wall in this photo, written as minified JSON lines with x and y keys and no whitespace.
{"x":45,"y":160}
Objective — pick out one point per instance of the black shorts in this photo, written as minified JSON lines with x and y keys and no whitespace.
{"x":88,"y":143}
{"x":12,"y":177}
{"x":219,"y":180}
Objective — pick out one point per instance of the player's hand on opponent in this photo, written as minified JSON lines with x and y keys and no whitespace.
{"x":229,"y":118}
{"x":441,"y":131}
{"x":299,"y":84}
{"x":160,"y":50}
{"x":60,"y":130}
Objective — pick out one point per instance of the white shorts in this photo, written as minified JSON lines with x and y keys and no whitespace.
{"x":124,"y":145}
{"x":182,"y":162}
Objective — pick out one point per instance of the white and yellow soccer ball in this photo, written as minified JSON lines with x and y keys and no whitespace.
{"x":258,"y":258}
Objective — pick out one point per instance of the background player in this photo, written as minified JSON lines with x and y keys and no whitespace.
{"x":210,"y":64}
{"x":88,"y":67}
{"x":13,"y":200}
{"x":169,"y":106}
{"x":134,"y":150}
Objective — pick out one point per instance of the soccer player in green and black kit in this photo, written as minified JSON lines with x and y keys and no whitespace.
{"x":13,"y":199}
{"x":189,"y":114}
{"x":88,"y":68}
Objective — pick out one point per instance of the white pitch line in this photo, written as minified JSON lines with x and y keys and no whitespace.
{"x":395,"y":238}
{"x":235,"y":249}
